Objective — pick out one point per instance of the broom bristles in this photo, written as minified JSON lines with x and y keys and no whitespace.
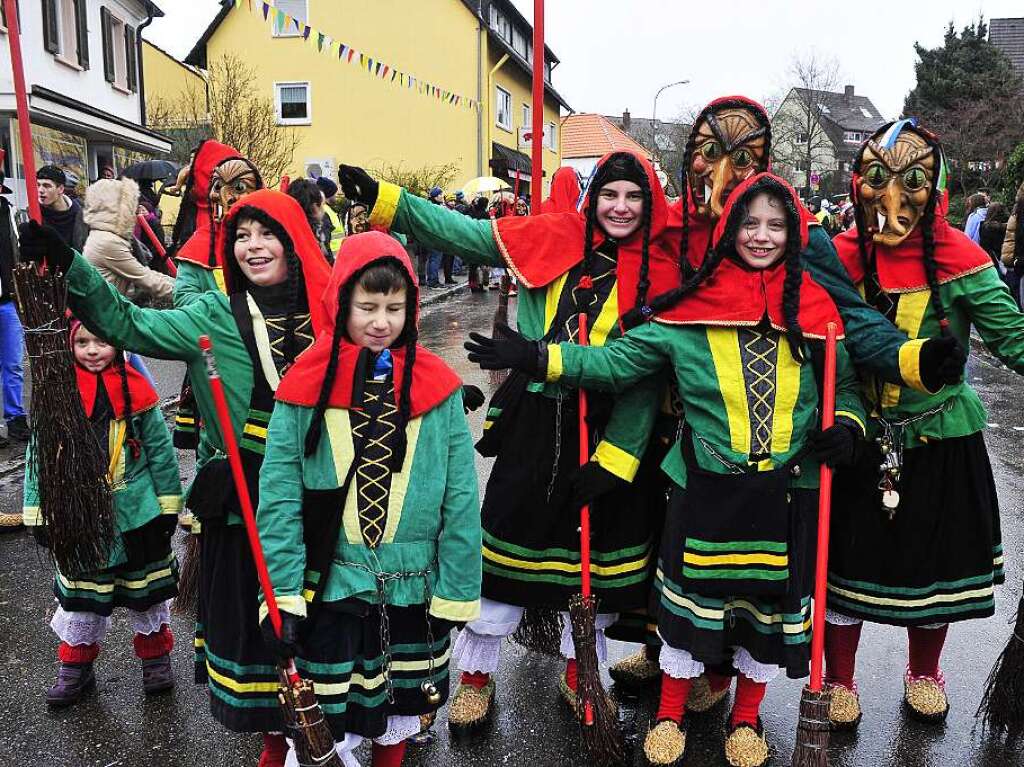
{"x":540,"y":631}
{"x":304,"y":719}
{"x":811,"y":749}
{"x":602,"y":739}
{"x":1002,"y":706}
{"x":187,"y":601}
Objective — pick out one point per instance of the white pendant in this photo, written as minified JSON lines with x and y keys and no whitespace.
{"x":890,"y":499}
{"x":881,"y":221}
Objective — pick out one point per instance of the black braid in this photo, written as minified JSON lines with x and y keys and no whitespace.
{"x":316,"y":423}
{"x":405,"y":404}
{"x":685,"y":269}
{"x":931,"y":268}
{"x":294,"y":307}
{"x":791,"y":293}
{"x":643,"y":284}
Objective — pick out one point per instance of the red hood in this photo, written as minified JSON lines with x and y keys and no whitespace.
{"x":141,"y":391}
{"x":210,"y":154}
{"x":565,"y":192}
{"x":433,"y":381}
{"x":735,"y":295}
{"x":286,"y":213}
{"x":540,"y":249}
{"x":201,"y":248}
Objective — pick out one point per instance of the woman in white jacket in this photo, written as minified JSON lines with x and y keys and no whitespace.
{"x":110,"y":207}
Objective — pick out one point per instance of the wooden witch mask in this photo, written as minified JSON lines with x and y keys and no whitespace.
{"x":730,"y":145}
{"x":231,"y":179}
{"x":896,"y":174}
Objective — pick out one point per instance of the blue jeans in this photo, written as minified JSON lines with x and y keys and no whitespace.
{"x":12,"y":349}
{"x":433,"y":266}
{"x":136,"y":362}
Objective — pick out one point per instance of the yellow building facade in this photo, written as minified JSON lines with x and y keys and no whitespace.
{"x":342,"y":114}
{"x":167,"y":77}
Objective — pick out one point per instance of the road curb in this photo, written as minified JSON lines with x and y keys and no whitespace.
{"x":437,"y":296}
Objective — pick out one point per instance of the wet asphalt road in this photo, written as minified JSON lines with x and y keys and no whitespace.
{"x":118,"y":727}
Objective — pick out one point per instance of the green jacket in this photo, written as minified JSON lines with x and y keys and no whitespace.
{"x":628,"y":431}
{"x":173,"y":334}
{"x":711,"y":370}
{"x":979,"y":299}
{"x":193,"y":280}
{"x":433,"y":520}
{"x":144,"y":487}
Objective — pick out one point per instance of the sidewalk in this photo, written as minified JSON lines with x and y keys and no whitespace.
{"x":430,"y":296}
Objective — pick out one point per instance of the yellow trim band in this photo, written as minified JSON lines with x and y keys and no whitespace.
{"x":451,"y":610}
{"x":565,"y":567}
{"x":384,"y":210}
{"x":293,"y":604}
{"x":551,"y":296}
{"x":855,"y":418}
{"x":254,"y":430}
{"x":616,"y":460}
{"x":707,"y":560}
{"x":554,"y":371}
{"x":31,"y":516}
{"x":606,"y":319}
{"x":787,"y":391}
{"x":910,"y":365}
{"x":725,"y":352}
{"x":169,"y":504}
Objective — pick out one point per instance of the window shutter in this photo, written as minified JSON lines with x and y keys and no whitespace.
{"x":108,"y":45}
{"x":82,"y":32}
{"x":130,"y":57}
{"x":51,"y":37}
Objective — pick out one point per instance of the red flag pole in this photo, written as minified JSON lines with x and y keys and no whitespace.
{"x":28,"y":159}
{"x":537,"y":139}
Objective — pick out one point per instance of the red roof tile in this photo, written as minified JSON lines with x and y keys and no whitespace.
{"x":592,"y":135}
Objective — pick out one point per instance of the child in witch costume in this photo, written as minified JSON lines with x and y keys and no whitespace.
{"x":141,"y":573}
{"x":916,"y":537}
{"x":369,"y":513}
{"x":742,"y":336}
{"x":602,"y":261}
{"x":274,"y":275}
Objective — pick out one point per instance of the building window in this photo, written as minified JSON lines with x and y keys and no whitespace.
{"x":65,"y":33}
{"x":547,"y":71}
{"x":550,"y":140}
{"x":293,"y":104}
{"x":527,"y":116}
{"x":801,"y":138}
{"x":519,"y":42}
{"x":119,"y":52}
{"x":298,"y":10}
{"x":502,"y":108}
{"x":852,"y":137}
{"x":501,"y":24}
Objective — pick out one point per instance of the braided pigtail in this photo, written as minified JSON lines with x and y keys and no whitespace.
{"x":791,"y":296}
{"x":931,"y":268}
{"x":294,"y":284}
{"x":644,"y":282}
{"x":316,"y":423}
{"x":685,"y":269}
{"x":404,"y":404}
{"x":126,"y":395}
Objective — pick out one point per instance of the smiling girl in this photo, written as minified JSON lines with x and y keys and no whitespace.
{"x":737,"y":556}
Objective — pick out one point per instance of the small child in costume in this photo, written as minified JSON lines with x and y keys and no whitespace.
{"x":141,"y":573}
{"x":369,"y":514}
{"x":743,"y":337}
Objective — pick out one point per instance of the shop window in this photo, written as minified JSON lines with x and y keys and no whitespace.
{"x":298,"y":10}
{"x":65,"y":32}
{"x":292,"y":101}
{"x":502,"y":108}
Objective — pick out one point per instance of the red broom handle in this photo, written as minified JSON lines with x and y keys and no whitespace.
{"x":28,"y":158}
{"x":159,"y":246}
{"x":828,"y":418}
{"x":584,"y":458}
{"x":235,"y":459}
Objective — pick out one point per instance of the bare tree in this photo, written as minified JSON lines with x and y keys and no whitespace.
{"x":799,"y":140}
{"x":230,"y":109}
{"x":417,"y":180}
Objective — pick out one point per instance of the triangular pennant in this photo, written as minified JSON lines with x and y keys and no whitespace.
{"x":377,"y":70}
{"x":342,"y":49}
{"x":298,"y":24}
{"x":319,"y":41}
{"x":351,"y":55}
{"x":266,"y":10}
{"x":306,"y":31}
{"x":385,"y":70}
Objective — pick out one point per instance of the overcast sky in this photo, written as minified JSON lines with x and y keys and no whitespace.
{"x":616,"y":54}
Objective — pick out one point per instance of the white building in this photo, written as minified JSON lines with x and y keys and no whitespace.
{"x":86,"y":90}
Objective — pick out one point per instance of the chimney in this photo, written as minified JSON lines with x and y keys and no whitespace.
{"x":848,"y":92}
{"x":625,"y":121}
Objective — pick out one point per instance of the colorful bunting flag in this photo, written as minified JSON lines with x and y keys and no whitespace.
{"x":347,"y":54}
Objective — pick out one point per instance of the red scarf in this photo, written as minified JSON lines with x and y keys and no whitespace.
{"x":433,"y":381}
{"x":737,"y":295}
{"x":142,"y":393}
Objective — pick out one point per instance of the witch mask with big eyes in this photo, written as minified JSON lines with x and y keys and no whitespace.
{"x":731,"y":145}
{"x":894,"y":186}
{"x":231,"y":179}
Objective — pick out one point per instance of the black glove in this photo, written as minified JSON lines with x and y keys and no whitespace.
{"x":835,"y":446}
{"x":472,"y":397}
{"x":286,"y":646}
{"x":590,"y":481}
{"x":941,"y":362}
{"x":508,"y":349}
{"x":358,"y":185}
{"x":42,"y":535}
{"x":42,"y":244}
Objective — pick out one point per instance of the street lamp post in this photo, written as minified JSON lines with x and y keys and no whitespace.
{"x":654,"y":113}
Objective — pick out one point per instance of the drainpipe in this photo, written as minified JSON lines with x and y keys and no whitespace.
{"x":480,"y":32}
{"x":490,"y":94}
{"x":140,"y":70}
